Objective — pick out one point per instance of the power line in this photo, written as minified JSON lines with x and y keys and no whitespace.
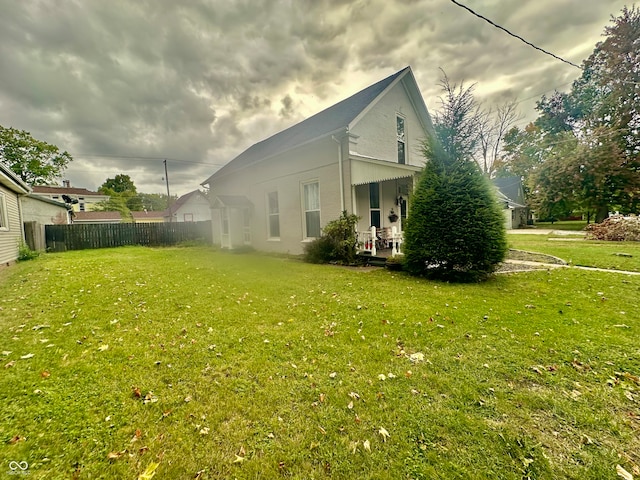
{"x":516,"y":36}
{"x":139,"y":157}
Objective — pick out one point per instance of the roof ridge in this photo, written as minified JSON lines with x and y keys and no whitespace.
{"x":322,"y":123}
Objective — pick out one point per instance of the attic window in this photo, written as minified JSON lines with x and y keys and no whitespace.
{"x":401,"y":139}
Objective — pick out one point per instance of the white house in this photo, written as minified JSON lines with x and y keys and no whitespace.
{"x":361,"y":155}
{"x":191,"y":207}
{"x":511,"y":195}
{"x":12,"y":188}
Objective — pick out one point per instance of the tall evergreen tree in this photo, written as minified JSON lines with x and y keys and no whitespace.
{"x":455,"y":231}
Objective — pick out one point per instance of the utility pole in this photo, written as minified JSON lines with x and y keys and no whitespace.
{"x":166,"y":178}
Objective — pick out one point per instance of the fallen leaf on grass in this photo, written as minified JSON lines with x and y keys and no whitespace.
{"x":416,"y":357}
{"x":150,"y":398}
{"x":102,"y":348}
{"x":622,"y":473}
{"x":45,"y":374}
{"x":16,"y":439}
{"x":6,"y":353}
{"x":384,"y":434}
{"x":239,"y":459}
{"x":149,"y":472}
{"x":142,"y":450}
{"x":367,"y":445}
{"x":10,"y":364}
{"x":115,"y":455}
{"x":27,"y":356}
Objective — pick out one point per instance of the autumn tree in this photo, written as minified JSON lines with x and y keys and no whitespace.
{"x":36,"y":162}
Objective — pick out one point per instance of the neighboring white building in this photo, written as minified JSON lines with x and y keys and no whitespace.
{"x":361,"y":155}
{"x":191,"y":207}
{"x":83,"y":200}
{"x":12,"y":189}
{"x":44,"y":211}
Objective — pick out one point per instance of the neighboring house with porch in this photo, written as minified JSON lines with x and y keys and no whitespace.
{"x":511,"y":195}
{"x":362,"y":155}
{"x":83,"y":200}
{"x":191,"y":207}
{"x":12,"y":189}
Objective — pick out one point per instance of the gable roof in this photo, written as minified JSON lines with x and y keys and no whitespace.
{"x":329,"y":121}
{"x":12,"y":181}
{"x":182,"y":200}
{"x":511,"y":189}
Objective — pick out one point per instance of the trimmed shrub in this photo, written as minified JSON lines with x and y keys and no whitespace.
{"x":615,"y":228}
{"x":455,"y":230}
{"x":338,"y":243}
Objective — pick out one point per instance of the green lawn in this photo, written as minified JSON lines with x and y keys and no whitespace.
{"x":615,"y":255}
{"x":201,"y":364}
{"x":573,"y":225}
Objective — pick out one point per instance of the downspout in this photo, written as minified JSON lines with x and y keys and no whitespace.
{"x":340,"y":172}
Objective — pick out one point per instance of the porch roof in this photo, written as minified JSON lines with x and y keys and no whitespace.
{"x":368,"y":170}
{"x":233,"y":201}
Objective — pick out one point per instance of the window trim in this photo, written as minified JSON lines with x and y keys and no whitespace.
{"x":305,"y":233}
{"x":401,"y":139}
{"x":275,"y":214}
{"x":373,"y":208}
{"x":4,"y":214}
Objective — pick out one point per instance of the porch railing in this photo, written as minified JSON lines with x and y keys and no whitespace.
{"x":374,"y":239}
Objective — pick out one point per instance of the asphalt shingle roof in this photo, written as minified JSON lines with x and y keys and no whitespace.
{"x":323,"y":123}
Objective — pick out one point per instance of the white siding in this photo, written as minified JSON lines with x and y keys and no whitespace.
{"x":11,"y":235}
{"x":43,"y":213}
{"x":285,"y":174}
{"x":196,"y":209}
{"x":377,"y":129}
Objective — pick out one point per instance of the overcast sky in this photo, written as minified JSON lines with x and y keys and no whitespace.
{"x":123,"y":84}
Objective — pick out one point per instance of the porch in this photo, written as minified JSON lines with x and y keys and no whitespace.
{"x":380,"y":242}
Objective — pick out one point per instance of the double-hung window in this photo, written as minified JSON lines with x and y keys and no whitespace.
{"x":4,"y":217}
{"x":401,"y":140}
{"x":374,"y":204}
{"x":311,"y":207}
{"x":273,"y":214}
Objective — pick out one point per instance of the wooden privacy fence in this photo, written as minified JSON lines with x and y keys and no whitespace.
{"x":78,"y":236}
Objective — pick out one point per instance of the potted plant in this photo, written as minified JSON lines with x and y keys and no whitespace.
{"x":393,"y":217}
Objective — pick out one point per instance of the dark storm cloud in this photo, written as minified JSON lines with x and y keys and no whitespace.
{"x":197,"y":82}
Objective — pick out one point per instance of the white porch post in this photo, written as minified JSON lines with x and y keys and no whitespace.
{"x":373,"y":241}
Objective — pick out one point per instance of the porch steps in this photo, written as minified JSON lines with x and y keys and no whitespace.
{"x":374,"y":261}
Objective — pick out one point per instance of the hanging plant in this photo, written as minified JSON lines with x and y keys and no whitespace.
{"x":393,"y":217}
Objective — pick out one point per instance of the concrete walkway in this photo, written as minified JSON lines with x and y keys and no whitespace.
{"x":540,"y":266}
